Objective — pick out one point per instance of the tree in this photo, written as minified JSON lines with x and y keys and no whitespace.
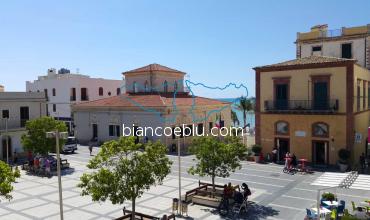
{"x":7,"y":177}
{"x":234,"y":118}
{"x":216,"y":158}
{"x":245,"y":105}
{"x":123,"y":170}
{"x":35,"y":140}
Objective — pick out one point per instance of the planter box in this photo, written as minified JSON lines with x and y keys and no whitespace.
{"x":206,"y":200}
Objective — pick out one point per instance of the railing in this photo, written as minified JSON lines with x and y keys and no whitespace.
{"x":72,"y":98}
{"x":302,"y":105}
{"x":85,"y":98}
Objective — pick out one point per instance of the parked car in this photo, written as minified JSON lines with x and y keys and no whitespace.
{"x":70,"y":145}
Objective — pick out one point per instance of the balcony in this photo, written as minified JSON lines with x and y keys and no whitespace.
{"x":302,"y":106}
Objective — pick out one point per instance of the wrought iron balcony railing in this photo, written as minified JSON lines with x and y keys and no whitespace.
{"x":302,"y":105}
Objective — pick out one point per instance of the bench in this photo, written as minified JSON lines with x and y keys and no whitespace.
{"x":140,"y":216}
{"x":206,"y":200}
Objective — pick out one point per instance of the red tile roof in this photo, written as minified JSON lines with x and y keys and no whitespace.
{"x":150,"y":100}
{"x":153,"y":67}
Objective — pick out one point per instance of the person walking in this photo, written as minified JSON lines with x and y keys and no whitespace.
{"x":90,"y":148}
{"x":362,"y":162}
{"x":274,"y":155}
{"x":47,"y":167}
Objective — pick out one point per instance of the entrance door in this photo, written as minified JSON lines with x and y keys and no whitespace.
{"x":320,"y":152}
{"x":320,"y":96}
{"x":283,"y":147}
{"x":95,"y":130}
{"x":4,"y":151}
{"x":281,"y":96}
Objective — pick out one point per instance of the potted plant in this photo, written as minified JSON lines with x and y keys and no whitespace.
{"x":344,"y":156}
{"x":256,"y":149}
{"x":328,"y":196}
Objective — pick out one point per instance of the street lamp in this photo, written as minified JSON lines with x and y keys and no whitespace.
{"x":58,"y":135}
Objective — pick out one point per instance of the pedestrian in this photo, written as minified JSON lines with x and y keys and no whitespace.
{"x":47,"y":167}
{"x":294,"y":160}
{"x":90,"y":148}
{"x":15,"y":157}
{"x":36,"y":164}
{"x":274,"y":155}
{"x":362,"y":161}
{"x":287,"y":160}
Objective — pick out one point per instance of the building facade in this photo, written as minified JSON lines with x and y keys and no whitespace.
{"x":350,"y":43}
{"x":16,"y":109}
{"x":313,"y":107}
{"x":155,"y":98}
{"x":64,"y":88}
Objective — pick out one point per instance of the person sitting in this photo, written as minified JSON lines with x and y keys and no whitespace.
{"x":36,"y":164}
{"x":229,"y":191}
{"x":246,"y":191}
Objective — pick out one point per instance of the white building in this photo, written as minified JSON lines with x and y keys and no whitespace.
{"x":63,"y":88}
{"x":155,"y":98}
{"x":351,"y":42}
{"x":16,"y":108}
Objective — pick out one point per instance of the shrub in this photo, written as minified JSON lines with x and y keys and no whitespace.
{"x":328,"y":196}
{"x":344,"y":155}
{"x":256,"y":149}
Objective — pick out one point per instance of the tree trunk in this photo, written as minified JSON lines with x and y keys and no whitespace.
{"x":213,"y":183}
{"x":133,"y":209}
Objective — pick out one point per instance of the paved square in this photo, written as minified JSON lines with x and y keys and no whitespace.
{"x":274,"y":194}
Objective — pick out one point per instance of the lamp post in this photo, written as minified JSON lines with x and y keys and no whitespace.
{"x":58,"y":135}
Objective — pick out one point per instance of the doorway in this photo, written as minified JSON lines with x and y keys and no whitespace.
{"x":95,"y":131}
{"x":282,"y":144}
{"x":9,"y":151}
{"x":320,"y":153}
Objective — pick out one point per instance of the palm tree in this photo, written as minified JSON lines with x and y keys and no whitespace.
{"x":234,"y":118}
{"x":245,"y":105}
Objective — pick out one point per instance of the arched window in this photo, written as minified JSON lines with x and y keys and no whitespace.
{"x":101,"y":91}
{"x":175,"y":86}
{"x":320,"y":129}
{"x":146,"y":86}
{"x":134,"y":87}
{"x":282,"y":128}
{"x":165,"y":86}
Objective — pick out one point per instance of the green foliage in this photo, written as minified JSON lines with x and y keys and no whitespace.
{"x":234,"y":118}
{"x":216,"y":158}
{"x":17,"y":172}
{"x":123,"y":170}
{"x":256,"y":149}
{"x":245,"y":105}
{"x":328,"y":196}
{"x":35,"y":140}
{"x":7,"y":177}
{"x":344,"y":155}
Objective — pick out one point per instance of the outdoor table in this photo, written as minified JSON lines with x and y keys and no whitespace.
{"x":331,"y":204}
{"x":323,"y":211}
{"x":303,"y":162}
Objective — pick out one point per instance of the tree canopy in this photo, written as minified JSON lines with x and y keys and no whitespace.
{"x":124,"y":170}
{"x":216,"y":158}
{"x":35,"y":140}
{"x":7,"y":177}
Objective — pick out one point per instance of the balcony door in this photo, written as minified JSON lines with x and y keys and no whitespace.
{"x":320,"y":96}
{"x":281,"y":96}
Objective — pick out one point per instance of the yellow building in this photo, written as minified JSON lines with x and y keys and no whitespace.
{"x":313,"y":106}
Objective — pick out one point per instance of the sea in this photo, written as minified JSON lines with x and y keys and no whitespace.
{"x":250,"y":115}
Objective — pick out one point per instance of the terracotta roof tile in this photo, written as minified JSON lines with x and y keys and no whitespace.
{"x":153,"y":67}
{"x":150,"y":100}
{"x":306,"y":61}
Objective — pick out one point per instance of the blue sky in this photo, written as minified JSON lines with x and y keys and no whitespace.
{"x":215,"y":42}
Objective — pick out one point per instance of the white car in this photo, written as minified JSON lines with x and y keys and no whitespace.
{"x":70,"y":145}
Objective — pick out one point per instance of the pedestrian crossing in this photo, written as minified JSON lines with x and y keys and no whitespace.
{"x":332,"y":179}
{"x":362,"y":182}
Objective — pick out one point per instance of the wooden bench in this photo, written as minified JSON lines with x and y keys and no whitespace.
{"x":140,"y":216}
{"x":206,"y":200}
